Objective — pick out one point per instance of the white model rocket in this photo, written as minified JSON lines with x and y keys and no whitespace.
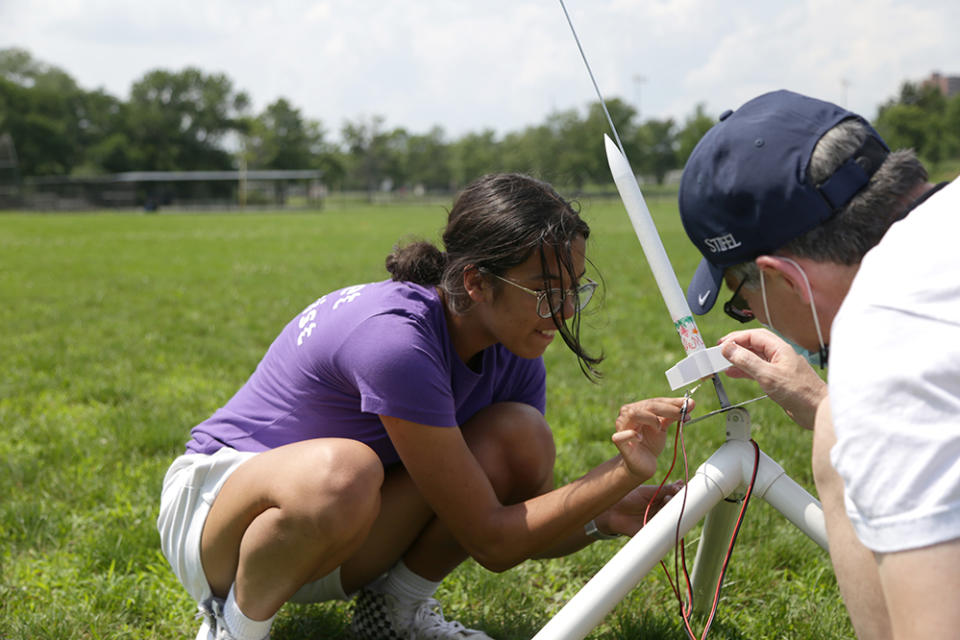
{"x":700,"y":361}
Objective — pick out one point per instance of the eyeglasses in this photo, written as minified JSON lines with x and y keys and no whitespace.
{"x":550,"y":301}
{"x":736,"y":307}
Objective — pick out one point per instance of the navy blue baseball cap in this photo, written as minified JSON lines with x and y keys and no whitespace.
{"x":745,"y":190}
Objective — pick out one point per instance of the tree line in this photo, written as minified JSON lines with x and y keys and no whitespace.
{"x":192,"y":120}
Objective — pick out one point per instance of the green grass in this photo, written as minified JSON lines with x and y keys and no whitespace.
{"x":120,"y":332}
{"x":945,"y":171}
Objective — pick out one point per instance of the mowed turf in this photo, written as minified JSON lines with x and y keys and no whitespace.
{"x":122,"y":331}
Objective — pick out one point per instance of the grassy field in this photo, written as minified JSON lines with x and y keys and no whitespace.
{"x":121,"y":331}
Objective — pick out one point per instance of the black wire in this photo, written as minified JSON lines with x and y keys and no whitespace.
{"x":686,"y":609}
{"x":733,"y":538}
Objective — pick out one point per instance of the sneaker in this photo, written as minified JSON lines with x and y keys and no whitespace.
{"x":213,"y":626}
{"x":379,"y":616}
{"x":206,"y":631}
{"x":211,"y":612}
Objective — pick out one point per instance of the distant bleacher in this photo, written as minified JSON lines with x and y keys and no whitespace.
{"x":176,"y":190}
{"x":9,"y":175}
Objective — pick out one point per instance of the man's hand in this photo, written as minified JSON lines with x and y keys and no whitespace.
{"x":786,"y":377}
{"x":642,"y":432}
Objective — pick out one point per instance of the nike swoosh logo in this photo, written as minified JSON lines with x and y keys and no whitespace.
{"x":703,"y":298}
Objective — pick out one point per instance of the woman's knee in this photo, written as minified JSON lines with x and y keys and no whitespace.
{"x":514,"y":444}
{"x":333,"y":489}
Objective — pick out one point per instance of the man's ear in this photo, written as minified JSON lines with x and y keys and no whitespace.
{"x":786,"y":269}
{"x":474,"y":283}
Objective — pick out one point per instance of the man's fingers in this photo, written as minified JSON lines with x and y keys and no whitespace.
{"x":745,"y":360}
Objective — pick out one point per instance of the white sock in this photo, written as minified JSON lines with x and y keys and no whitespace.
{"x":239,"y":625}
{"x":406,"y":586}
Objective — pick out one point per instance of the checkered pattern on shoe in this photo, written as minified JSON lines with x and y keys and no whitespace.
{"x":378,"y":616}
{"x":375,"y":617}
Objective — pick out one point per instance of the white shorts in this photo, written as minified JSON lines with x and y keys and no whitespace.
{"x":189,"y":488}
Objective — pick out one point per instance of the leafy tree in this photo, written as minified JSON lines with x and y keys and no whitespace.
{"x":281,"y":138}
{"x":530,"y":151}
{"x":39,"y":109}
{"x":568,"y":148}
{"x":694,"y":128}
{"x":623,"y":116}
{"x":927,"y":97}
{"x":570,"y":155}
{"x":917,"y":120}
{"x":428,"y":161}
{"x":373,"y":157}
{"x":179,"y":120}
{"x":21,"y":68}
{"x":186,"y":120}
{"x":951,"y":128}
{"x":658,"y":141}
{"x":392,"y":148}
{"x":576,"y":155}
{"x":40,"y":123}
{"x":473,"y":155}
{"x":907,"y":126}
{"x":102,"y":134}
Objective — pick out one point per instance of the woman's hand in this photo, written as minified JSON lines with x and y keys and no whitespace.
{"x":642,"y":432}
{"x":627,"y":516}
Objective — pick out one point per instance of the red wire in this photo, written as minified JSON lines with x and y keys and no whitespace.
{"x":733,"y":537}
{"x":678,"y":444}
{"x":726,"y":559}
{"x":686,"y":610}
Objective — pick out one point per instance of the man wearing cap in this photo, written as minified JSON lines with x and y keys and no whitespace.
{"x":844,"y":248}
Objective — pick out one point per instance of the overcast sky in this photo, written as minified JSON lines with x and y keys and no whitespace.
{"x":498,"y":64}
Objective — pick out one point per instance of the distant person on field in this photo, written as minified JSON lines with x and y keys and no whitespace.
{"x":394,"y":429}
{"x":844,"y":247}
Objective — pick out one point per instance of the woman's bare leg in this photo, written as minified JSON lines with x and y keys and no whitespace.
{"x":288,"y":516}
{"x":514,"y":446}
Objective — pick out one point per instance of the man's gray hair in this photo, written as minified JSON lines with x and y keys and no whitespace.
{"x":856,"y":228}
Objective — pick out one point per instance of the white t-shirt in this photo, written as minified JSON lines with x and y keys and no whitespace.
{"x":895,"y":382}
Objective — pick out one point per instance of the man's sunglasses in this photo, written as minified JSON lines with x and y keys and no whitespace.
{"x":736,"y":307}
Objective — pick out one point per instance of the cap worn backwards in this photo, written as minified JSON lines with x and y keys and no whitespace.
{"x":745,"y":189}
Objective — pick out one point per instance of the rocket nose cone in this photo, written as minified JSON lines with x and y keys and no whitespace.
{"x":611,"y":146}
{"x":615,"y":158}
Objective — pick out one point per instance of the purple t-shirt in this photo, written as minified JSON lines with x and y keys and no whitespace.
{"x":370,"y":349}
